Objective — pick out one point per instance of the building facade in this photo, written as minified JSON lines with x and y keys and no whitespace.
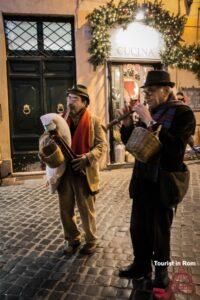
{"x":44,"y":50}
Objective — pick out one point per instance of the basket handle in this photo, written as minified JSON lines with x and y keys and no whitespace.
{"x":156,"y":133}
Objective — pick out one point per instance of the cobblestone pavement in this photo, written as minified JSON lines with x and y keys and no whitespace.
{"x":31,"y":259}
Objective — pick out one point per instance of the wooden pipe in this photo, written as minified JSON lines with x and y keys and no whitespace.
{"x":119,"y":119}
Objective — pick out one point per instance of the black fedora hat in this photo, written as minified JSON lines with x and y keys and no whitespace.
{"x":158,"y":77}
{"x":80,"y":90}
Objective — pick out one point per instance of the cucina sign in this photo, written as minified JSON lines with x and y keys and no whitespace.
{"x":128,"y":52}
{"x":137,"y":41}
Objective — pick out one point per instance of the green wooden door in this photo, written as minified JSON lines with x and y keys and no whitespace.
{"x":36,"y":88}
{"x":41,"y":67}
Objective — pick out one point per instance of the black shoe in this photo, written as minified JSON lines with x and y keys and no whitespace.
{"x":161,"y":280}
{"x":135,"y":272}
{"x":88,"y":248}
{"x":127,"y":271}
{"x":142,"y":290}
{"x":141,"y":295}
{"x":71,"y":248}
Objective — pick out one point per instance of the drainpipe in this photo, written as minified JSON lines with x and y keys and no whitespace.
{"x":198,"y":24}
{"x":179,"y":12}
{"x":179,"y":7}
{"x":76,"y":14}
{"x":78,"y":2}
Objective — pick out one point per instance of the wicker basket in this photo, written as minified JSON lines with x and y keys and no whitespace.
{"x":143,"y":144}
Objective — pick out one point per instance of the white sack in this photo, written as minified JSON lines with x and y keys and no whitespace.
{"x":53,"y":175}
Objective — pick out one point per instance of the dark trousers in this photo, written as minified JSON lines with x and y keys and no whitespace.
{"x":150,"y":225}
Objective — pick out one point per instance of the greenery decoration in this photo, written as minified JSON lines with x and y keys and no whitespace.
{"x":184,"y":57}
{"x":171,"y":26}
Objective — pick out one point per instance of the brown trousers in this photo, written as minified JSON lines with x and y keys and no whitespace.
{"x":73,"y":189}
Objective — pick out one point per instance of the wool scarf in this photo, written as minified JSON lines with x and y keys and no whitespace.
{"x":164,"y":114}
{"x":81,"y":137}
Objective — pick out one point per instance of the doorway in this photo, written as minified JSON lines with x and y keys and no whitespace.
{"x":41,"y":67}
{"x":125,"y":80}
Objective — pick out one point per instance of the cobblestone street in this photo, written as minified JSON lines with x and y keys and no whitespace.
{"x":31,"y":259}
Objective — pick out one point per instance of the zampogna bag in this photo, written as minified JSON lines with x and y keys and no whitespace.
{"x":173,"y":186}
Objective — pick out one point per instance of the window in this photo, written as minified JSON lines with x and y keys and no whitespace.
{"x":39,"y":37}
{"x":21,"y":35}
{"x":57,"y":36}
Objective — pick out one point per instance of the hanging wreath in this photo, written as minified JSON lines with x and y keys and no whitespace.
{"x":169,"y":25}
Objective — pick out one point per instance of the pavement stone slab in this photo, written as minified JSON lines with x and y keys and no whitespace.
{"x":32,"y":264}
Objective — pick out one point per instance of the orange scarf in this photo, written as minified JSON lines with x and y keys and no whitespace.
{"x":81,"y":138}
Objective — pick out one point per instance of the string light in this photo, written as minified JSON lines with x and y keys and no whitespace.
{"x":169,"y":25}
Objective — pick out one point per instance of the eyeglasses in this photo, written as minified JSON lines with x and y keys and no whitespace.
{"x":73,"y":98}
{"x":180,"y":98}
{"x":150,"y":90}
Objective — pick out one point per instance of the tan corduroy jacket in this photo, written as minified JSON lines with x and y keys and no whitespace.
{"x":98,"y":147}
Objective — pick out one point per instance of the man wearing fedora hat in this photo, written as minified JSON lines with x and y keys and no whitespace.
{"x":88,"y":143}
{"x":150,"y":219}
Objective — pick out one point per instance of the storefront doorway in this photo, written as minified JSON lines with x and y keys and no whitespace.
{"x":135,"y":49}
{"x":125,"y":80}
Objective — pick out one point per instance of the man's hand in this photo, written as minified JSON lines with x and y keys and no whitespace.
{"x":128,"y":120}
{"x":143,"y":113}
{"x":47,"y":184}
{"x":79,"y":163}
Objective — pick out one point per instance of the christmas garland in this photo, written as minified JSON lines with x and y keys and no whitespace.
{"x":184,"y":57}
{"x":169,"y":25}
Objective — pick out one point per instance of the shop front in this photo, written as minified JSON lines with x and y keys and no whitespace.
{"x":48,"y":46}
{"x":134,"y":51}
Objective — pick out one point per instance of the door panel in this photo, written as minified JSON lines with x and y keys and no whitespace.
{"x":56,"y":94}
{"x":36,"y":88}
{"x":27,"y":104}
{"x":60,"y":67}
{"x":24,"y":67}
{"x":40,"y":69}
{"x":27,"y":108}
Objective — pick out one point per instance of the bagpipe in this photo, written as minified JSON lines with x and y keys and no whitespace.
{"x":55,"y":144}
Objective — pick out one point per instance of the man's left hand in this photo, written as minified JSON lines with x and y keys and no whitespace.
{"x":79,"y":163}
{"x":143,"y":113}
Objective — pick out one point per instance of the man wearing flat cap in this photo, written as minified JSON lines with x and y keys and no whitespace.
{"x":151,"y":217}
{"x":88,"y":143}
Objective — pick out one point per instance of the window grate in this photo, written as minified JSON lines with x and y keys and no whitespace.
{"x":21,"y":35}
{"x":57,"y":36}
{"x":38,"y":37}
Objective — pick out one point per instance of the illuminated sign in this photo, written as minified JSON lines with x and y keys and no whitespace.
{"x":138,"y":41}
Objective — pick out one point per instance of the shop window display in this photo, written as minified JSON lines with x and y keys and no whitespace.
{"x":126,"y":82}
